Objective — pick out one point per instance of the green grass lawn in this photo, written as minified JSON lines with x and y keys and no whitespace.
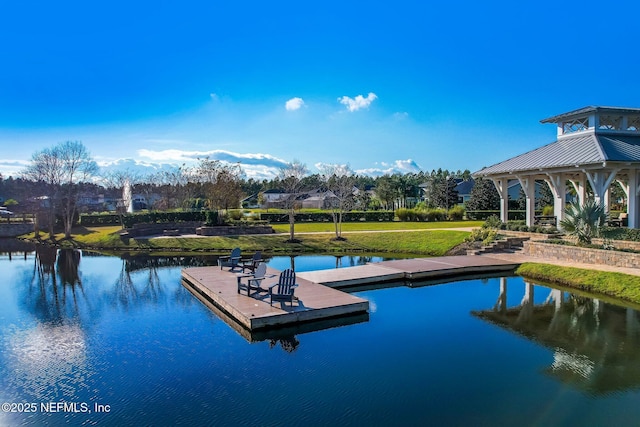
{"x":306,"y":227}
{"x":425,"y":242}
{"x":613,"y":284}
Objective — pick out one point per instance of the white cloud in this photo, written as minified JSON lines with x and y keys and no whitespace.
{"x":398,"y":166}
{"x":254,"y":165}
{"x":338,"y":169}
{"x":181,"y":156}
{"x":13,"y":167}
{"x":294,"y":104}
{"x":214,"y":97}
{"x":359,"y":102}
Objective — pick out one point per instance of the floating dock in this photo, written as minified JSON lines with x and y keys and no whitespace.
{"x":409,"y":270}
{"x":319,"y":297}
{"x":315,"y":301}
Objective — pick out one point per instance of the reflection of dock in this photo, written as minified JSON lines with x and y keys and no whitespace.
{"x":283,"y":332}
{"x":317,"y":300}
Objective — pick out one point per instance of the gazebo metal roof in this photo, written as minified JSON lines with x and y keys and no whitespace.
{"x":578,"y":151}
{"x":589,"y":110}
{"x":594,"y":147}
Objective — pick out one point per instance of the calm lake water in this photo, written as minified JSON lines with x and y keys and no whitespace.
{"x":80,"y":330}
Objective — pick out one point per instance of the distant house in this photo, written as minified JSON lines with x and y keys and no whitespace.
{"x":464,"y":190}
{"x":319,"y":200}
{"x":250,"y":202}
{"x":89,"y":202}
{"x":139,"y":202}
{"x":274,"y":198}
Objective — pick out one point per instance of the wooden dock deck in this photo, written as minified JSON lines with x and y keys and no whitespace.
{"x":319,"y":305}
{"x":315,"y":301}
{"x":408,"y":270}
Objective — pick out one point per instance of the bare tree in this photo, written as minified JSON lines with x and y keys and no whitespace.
{"x":221,"y":183}
{"x":291,"y":180}
{"x":62,"y":168}
{"x":340,"y":182}
{"x":46,"y":167}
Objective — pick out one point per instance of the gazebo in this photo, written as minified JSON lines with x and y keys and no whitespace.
{"x":598,"y":145}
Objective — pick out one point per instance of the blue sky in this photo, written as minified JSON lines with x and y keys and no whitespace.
{"x":382,"y":86}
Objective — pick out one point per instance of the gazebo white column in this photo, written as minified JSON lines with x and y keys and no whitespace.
{"x":633,"y":209}
{"x":600,"y":182}
{"x":580,"y":186}
{"x":529,"y":188}
{"x":557,"y":184}
{"x":502,"y":185}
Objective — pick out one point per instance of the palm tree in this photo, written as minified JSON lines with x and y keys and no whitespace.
{"x":584,"y":222}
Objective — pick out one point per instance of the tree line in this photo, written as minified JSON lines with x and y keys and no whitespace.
{"x":57,"y":177}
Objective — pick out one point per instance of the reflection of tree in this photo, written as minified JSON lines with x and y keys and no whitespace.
{"x":153,"y":290}
{"x":582,"y":316}
{"x":183,"y":297}
{"x":125,"y":292}
{"x":68,"y":262}
{"x":288,"y":344}
{"x":144,"y":261}
{"x":47,"y":296}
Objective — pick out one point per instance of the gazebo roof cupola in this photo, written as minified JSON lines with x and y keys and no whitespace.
{"x":601,"y":120}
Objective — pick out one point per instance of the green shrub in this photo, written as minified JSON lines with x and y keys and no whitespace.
{"x":211,"y":218}
{"x":585,"y":221}
{"x":547,"y":210}
{"x":99,"y":220}
{"x":354,"y":216}
{"x":455,"y":214}
{"x":492,"y":222}
{"x":404,"y":214}
{"x":436,"y":214}
{"x":130,"y":219}
{"x":480,"y":215}
{"x":484,"y":235}
{"x":235,"y":214}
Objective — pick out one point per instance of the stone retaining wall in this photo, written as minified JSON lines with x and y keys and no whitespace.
{"x":581,"y":255}
{"x":618,"y":244}
{"x":13,"y":230}
{"x":193,"y":227}
{"x":233,"y":230}
{"x":147,"y":229}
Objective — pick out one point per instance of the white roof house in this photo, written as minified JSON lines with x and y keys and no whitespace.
{"x":598,"y":145}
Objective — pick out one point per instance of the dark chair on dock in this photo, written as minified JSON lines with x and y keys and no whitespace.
{"x":252,"y":264}
{"x":230,"y":260}
{"x":284,"y":288}
{"x":254,"y":280}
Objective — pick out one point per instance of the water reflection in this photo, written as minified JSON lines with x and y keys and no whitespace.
{"x":55,"y":286}
{"x":15,"y":248}
{"x":48,"y":359}
{"x":594,"y":343}
{"x":133,"y":337}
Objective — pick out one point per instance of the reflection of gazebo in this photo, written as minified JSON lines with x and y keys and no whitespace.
{"x":595,"y":344}
{"x":595,"y":145}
